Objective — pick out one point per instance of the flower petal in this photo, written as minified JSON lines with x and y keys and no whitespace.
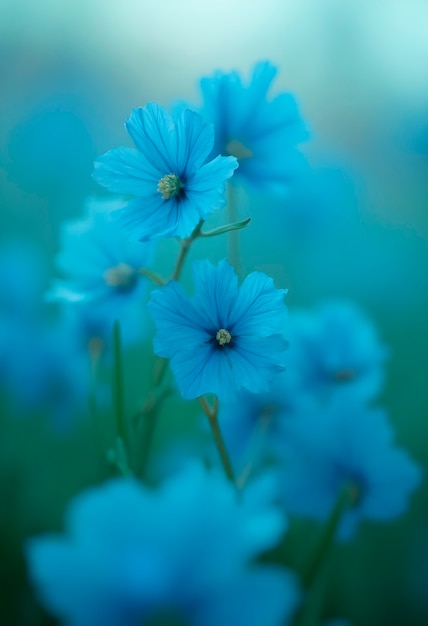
{"x":179,"y":324}
{"x":195,"y":141}
{"x":124,"y":170}
{"x":217,"y":291}
{"x":259,"y":308}
{"x":153,"y":131}
{"x":205,"y":370}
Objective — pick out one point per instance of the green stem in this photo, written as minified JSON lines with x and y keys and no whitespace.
{"x":212,"y":414}
{"x":344,"y":500}
{"x":253,"y":447}
{"x":153,"y":276}
{"x":185,"y":247}
{"x":313,"y":582}
{"x":149,"y":412}
{"x":233,"y":244}
{"x":118,"y":385}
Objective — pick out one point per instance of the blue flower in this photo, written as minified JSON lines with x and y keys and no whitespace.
{"x":41,"y":369}
{"x":133,"y":556}
{"x":173,"y":184}
{"x":251,"y":424}
{"x":101,"y":268}
{"x":345,"y":445}
{"x":226,"y":338}
{"x":261,"y":133}
{"x":333,"y":347}
{"x":22,"y":280}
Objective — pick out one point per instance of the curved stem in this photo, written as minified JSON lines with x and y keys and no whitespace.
{"x":156,"y":278}
{"x":118,"y":384}
{"x":185,"y":247}
{"x":233,"y":244}
{"x":344,"y":500}
{"x":212,"y":414}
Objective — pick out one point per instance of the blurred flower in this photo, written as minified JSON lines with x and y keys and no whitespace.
{"x":253,"y":421}
{"x":333,"y":347}
{"x":174,"y":185}
{"x":102,"y":281}
{"x":345,"y":445}
{"x":226,"y":338}
{"x":41,"y":369}
{"x":180,"y":554}
{"x":22,"y":279}
{"x":262,"y":134}
{"x":40,"y":366}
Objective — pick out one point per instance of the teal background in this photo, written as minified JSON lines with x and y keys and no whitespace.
{"x":70,"y":72}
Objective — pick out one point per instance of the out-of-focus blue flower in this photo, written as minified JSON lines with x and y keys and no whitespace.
{"x":252,"y":423}
{"x":226,"y":338}
{"x":22,"y":280}
{"x":333,"y":347}
{"x":101,"y":268}
{"x":261,"y":133}
{"x":173,"y":185}
{"x":42,"y":370}
{"x":345,"y":446}
{"x":133,"y":556}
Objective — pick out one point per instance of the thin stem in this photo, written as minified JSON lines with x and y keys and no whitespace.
{"x":149,"y":412}
{"x":95,"y":347}
{"x":185,"y":247}
{"x":344,"y":500}
{"x":259,"y":434}
{"x":118,"y":384}
{"x":153,"y":276}
{"x":233,"y":245}
{"x":212,"y":414}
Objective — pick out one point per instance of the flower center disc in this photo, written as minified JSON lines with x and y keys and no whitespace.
{"x":169,"y":186}
{"x":223,"y":337}
{"x":121,"y":276}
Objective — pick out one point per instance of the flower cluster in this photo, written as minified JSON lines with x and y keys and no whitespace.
{"x":289,"y":398}
{"x":122,"y":561}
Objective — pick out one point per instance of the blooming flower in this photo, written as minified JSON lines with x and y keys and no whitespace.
{"x":333,"y":347}
{"x":101,"y":267}
{"x":173,"y":184}
{"x":253,"y":421}
{"x":345,"y":445}
{"x":261,"y":133}
{"x":226,"y":338}
{"x":132,"y":556}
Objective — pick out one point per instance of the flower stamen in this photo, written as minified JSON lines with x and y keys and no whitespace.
{"x":223,"y":337}
{"x":121,"y":276}
{"x":169,"y":186}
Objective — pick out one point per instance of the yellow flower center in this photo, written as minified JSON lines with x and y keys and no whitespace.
{"x":223,"y":336}
{"x":121,"y":276}
{"x":169,"y":186}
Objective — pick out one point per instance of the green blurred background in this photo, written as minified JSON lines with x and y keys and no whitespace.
{"x":357,"y":226}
